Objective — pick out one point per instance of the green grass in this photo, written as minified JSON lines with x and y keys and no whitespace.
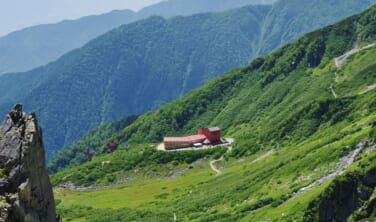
{"x":243,"y":183}
{"x":133,"y":193}
{"x":136,"y":160}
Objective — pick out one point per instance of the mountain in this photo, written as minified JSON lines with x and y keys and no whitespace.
{"x":38,"y":45}
{"x":169,"y":8}
{"x":303,"y":120}
{"x":135,"y":69}
{"x":25,"y":188}
{"x":288,"y":20}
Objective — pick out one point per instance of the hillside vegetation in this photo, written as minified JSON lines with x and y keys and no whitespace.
{"x":287,"y":19}
{"x":299,"y":122}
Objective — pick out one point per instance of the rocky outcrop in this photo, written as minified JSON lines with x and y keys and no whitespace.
{"x":25,"y":189}
{"x":347,"y":195}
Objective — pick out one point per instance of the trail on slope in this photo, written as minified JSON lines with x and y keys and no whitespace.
{"x":341,"y":60}
{"x":212,"y":166}
{"x":270,"y":152}
{"x":369,"y":88}
{"x":344,"y":163}
{"x":333,"y":92}
{"x":212,"y":163}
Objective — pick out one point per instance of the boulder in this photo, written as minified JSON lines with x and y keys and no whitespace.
{"x":25,"y":189}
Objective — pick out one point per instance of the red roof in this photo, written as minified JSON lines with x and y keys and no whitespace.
{"x":192,"y":138}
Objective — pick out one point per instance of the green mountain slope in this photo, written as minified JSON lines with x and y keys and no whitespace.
{"x":287,"y":19}
{"x":298,"y":120}
{"x":138,"y":67}
{"x":38,"y":45}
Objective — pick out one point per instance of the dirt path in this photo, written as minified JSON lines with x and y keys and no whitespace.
{"x":212,"y":163}
{"x":344,"y":163}
{"x":270,"y":152}
{"x":341,"y":60}
{"x":369,"y":88}
{"x":212,"y":166}
{"x":333,"y":92}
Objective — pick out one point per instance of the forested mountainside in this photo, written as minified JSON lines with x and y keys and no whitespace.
{"x":136,"y":68}
{"x":171,"y":8}
{"x":303,"y":119}
{"x":287,"y":20}
{"x":31,"y":47}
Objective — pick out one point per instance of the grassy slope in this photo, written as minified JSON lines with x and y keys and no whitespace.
{"x":243,"y":186}
{"x":281,"y":103}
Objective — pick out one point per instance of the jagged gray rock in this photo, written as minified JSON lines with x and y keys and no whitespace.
{"x":25,"y":189}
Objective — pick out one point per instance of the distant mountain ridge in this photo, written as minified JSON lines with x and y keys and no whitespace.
{"x":138,"y":67}
{"x":281,"y":25}
{"x":38,"y":45}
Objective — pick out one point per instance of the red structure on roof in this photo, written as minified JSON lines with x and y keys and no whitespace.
{"x":213,"y":134}
{"x":205,"y":136}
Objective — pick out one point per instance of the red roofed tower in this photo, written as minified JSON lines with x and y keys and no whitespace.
{"x":213,"y":134}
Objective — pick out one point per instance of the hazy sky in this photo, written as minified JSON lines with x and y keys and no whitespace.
{"x":17,"y":14}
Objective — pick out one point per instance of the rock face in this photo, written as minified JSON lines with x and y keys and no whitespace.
{"x":347,"y":195}
{"x":25,"y":189}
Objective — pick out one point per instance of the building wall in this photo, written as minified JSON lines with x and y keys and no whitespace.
{"x":213,"y":136}
{"x":181,"y":144}
{"x":177,"y":145}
